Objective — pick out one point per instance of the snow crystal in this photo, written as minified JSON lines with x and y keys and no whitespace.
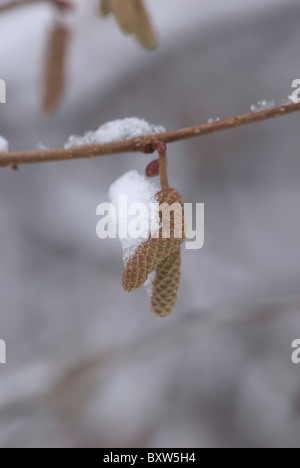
{"x":4,"y":145}
{"x":285,"y":102}
{"x":114,"y":131}
{"x":139,"y":190}
{"x":212,"y":120}
{"x":262,"y":105}
{"x":41,"y":147}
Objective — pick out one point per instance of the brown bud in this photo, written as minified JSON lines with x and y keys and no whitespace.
{"x":152,"y":170}
{"x":54,"y":75}
{"x":64,"y":5}
{"x":125,"y":14}
{"x":161,"y":147}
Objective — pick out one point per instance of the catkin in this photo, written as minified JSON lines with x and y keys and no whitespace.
{"x":166,"y":284}
{"x":156,"y":249}
{"x":125,"y":14}
{"x":144,"y":31}
{"x":105,"y":7}
{"x":54,"y":75}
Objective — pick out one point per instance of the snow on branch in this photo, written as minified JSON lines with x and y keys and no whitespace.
{"x":116,"y":130}
{"x":143,"y":143}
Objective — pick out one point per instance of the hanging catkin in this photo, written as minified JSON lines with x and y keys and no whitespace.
{"x":144,"y":31}
{"x":125,"y":14}
{"x":166,"y":284}
{"x":54,"y":75}
{"x":105,"y":7}
{"x":156,"y":249}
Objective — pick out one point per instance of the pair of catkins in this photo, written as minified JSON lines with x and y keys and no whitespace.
{"x":160,"y":254}
{"x":133,"y":18}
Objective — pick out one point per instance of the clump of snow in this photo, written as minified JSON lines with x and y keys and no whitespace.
{"x":4,"y":145}
{"x":148,"y":285}
{"x":130,"y":189}
{"x":262,"y":105}
{"x":213,"y":119}
{"x":121,"y":129}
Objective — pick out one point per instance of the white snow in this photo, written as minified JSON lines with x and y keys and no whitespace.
{"x":4,"y":145}
{"x":115,"y":130}
{"x":41,"y":147}
{"x":213,"y":119}
{"x":262,"y":105}
{"x":138,"y":190}
{"x":148,"y":285}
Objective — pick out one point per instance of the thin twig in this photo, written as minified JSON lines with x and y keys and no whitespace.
{"x":15,"y":3}
{"x":144,"y":143}
{"x":163,"y":164}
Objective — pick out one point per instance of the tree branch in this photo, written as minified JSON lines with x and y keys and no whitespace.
{"x":144,"y":144}
{"x":14,"y":3}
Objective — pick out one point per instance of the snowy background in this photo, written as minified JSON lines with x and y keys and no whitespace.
{"x":88,"y":365}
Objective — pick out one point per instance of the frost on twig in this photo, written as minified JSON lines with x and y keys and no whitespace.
{"x":262,"y":105}
{"x":116,"y":130}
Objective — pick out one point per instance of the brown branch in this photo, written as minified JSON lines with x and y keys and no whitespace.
{"x":144,"y":143}
{"x":163,"y":164}
{"x":14,"y":4}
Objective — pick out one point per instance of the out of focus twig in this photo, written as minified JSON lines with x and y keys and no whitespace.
{"x":10,"y":5}
{"x":17,"y":3}
{"x":133,"y":18}
{"x":54,"y":76}
{"x":144,"y":143}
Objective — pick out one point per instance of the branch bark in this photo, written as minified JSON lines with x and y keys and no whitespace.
{"x":144,"y":144}
{"x":13,"y":4}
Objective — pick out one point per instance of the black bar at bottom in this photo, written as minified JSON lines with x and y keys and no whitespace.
{"x":137,"y":457}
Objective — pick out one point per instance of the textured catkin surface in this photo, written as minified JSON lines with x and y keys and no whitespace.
{"x":125,"y":14}
{"x":152,"y":252}
{"x":145,"y":31}
{"x":54,"y":75}
{"x":166,"y":284}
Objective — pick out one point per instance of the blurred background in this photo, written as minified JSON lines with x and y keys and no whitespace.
{"x":88,"y":365}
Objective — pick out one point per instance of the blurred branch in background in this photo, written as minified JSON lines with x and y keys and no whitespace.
{"x":131,"y":15}
{"x":68,"y":385}
{"x":144,"y":144}
{"x":11,"y":4}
